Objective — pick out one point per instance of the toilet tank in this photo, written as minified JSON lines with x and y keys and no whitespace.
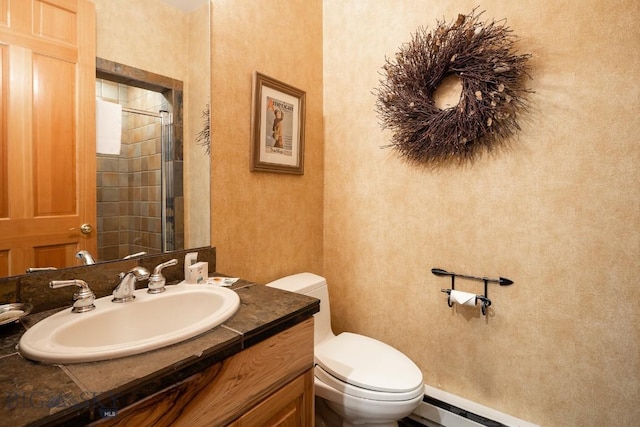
{"x":314,"y":286}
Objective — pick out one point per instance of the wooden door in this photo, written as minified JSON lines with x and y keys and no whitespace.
{"x":47,"y":131}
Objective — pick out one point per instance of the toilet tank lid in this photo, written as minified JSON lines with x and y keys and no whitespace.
{"x":301,"y":283}
{"x":368,"y":363}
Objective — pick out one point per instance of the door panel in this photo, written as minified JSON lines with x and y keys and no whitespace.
{"x":56,"y":20}
{"x":4,"y":12}
{"x":56,"y":254}
{"x":54,"y":139}
{"x":4,"y":263}
{"x":4,"y":84}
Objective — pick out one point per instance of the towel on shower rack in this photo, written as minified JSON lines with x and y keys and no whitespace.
{"x":108,"y":127}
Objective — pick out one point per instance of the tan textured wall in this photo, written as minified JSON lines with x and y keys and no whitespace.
{"x":559,"y":215}
{"x":146,"y":34}
{"x":265,"y":225}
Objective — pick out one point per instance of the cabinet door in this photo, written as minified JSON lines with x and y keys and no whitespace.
{"x":291,"y":406}
{"x":47,"y":132}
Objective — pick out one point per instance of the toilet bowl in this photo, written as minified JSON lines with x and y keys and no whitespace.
{"x":358,"y":380}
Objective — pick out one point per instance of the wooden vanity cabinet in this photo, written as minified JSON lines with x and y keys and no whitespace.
{"x":268,"y":384}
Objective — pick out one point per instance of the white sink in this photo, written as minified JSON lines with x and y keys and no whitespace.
{"x":111,"y":330}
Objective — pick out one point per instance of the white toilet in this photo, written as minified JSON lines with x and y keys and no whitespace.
{"x":359,"y":381}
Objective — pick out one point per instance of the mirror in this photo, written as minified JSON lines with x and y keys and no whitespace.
{"x":169,"y":38}
{"x":160,"y":48}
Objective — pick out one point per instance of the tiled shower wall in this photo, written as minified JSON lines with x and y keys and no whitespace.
{"x":130,"y":185}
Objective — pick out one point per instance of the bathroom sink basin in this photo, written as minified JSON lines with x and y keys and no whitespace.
{"x":111,"y":330}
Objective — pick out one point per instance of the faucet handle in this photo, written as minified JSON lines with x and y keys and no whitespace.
{"x":137,"y":254}
{"x":37,"y":269}
{"x":83,"y":297}
{"x":157,"y":280}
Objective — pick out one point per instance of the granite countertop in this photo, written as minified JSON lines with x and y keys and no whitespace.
{"x":35,"y":394}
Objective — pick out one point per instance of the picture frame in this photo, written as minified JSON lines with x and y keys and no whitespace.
{"x":278,"y":123}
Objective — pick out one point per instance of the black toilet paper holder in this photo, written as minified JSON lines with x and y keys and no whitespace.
{"x":484,"y":299}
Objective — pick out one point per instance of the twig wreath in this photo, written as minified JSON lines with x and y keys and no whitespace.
{"x":481,"y":56}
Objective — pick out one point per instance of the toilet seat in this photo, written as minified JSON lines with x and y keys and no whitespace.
{"x":358,"y":392}
{"x":367,"y":368}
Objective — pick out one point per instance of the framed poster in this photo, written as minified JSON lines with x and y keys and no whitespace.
{"x":277,"y":140}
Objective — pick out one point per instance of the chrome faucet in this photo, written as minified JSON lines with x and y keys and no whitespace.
{"x":157,"y":280}
{"x":124,"y":291}
{"x":83,"y":298}
{"x":85,"y":257}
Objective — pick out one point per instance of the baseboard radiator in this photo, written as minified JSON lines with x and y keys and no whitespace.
{"x":442,"y":409}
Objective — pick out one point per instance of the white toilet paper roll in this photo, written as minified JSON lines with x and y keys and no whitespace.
{"x":463,"y":298}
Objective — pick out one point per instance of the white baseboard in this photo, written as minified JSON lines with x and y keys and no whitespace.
{"x":466,"y":413}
